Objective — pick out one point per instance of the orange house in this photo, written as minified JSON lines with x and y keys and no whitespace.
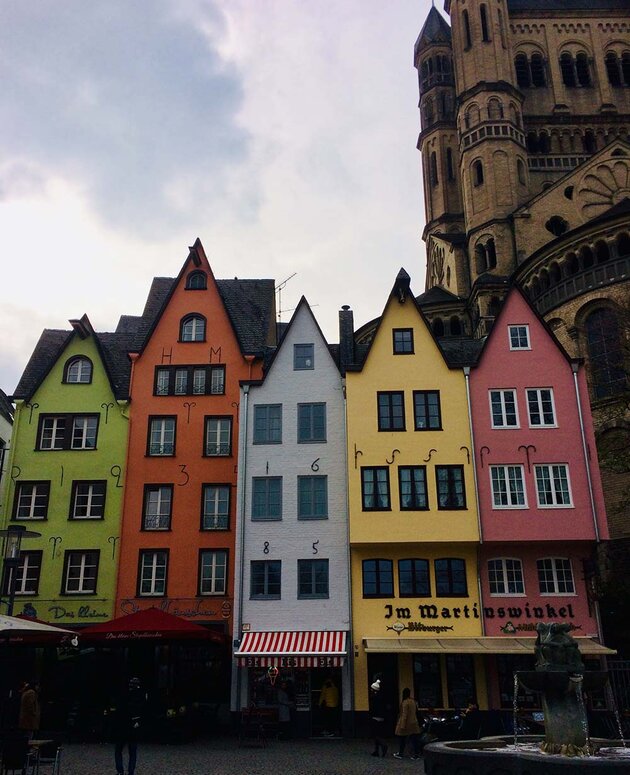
{"x":177,"y":539}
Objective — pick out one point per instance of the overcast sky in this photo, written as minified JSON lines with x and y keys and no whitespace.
{"x":282,"y":133}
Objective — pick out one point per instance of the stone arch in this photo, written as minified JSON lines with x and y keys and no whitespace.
{"x":602,"y":251}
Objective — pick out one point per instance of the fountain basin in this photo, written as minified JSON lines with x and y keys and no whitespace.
{"x":498,"y":756}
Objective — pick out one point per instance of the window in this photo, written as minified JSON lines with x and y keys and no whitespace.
{"x":433,"y":170}
{"x":78,"y":371}
{"x":378,"y":578}
{"x":268,"y":424}
{"x":213,"y":572}
{"x":403,"y":341}
{"x":218,"y":437}
{"x":519,"y":337}
{"x":216,"y":507}
{"x":193,"y":329}
{"x":412,"y":481}
{"x":161,"y":440}
{"x":27,"y":574}
{"x":312,"y":497}
{"x":450,"y":578}
{"x":265,"y":579}
{"x":312,"y":579}
{"x":413,"y":578}
{"x":467,"y":29}
{"x":80,"y":572}
{"x":375,"y":488}
{"x":196,"y":281}
{"x":67,"y":431}
{"x":605,"y":353}
{"x":450,"y":487}
{"x":391,"y":411}
{"x":303,"y":356}
{"x":31,"y":500}
{"x":311,"y":423}
{"x":505,"y":576}
{"x":484,"y":23}
{"x":552,"y":485}
{"x":555,"y":576}
{"x":450,"y":167}
{"x":88,"y":500}
{"x":477,"y":173}
{"x":267,"y":498}
{"x":189,"y":380}
{"x":508,"y":489}
{"x":426,"y":410}
{"x":153,"y":573}
{"x":540,"y":408}
{"x":158,"y":506}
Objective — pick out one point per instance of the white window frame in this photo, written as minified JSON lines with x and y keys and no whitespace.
{"x":502,"y":393}
{"x":90,"y":496}
{"x":537,"y":393}
{"x":84,"y":431}
{"x":504,"y":580}
{"x":516,"y":328}
{"x":554,"y":572}
{"x":51,"y":426}
{"x":159,"y":513}
{"x":504,"y":477}
{"x":158,"y":433}
{"x":148,"y":572}
{"x":31,"y":500}
{"x":79,"y":371}
{"x":215,"y":519}
{"x":193,"y":329}
{"x":22,"y":578}
{"x":222,"y":430}
{"x":82,"y":565}
{"x":549,"y":467}
{"x":218,"y":583}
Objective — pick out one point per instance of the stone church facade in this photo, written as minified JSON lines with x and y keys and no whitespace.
{"x":525,"y":146}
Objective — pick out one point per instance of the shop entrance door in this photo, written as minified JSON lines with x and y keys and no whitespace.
{"x":326,"y":702}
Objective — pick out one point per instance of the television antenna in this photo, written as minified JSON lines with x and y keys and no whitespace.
{"x":278,"y":289}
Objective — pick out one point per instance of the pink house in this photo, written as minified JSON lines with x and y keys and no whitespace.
{"x":540,"y":498}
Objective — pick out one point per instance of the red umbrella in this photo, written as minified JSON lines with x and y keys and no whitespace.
{"x":151,"y":624}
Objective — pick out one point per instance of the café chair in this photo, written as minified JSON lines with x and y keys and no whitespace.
{"x":49,"y":758}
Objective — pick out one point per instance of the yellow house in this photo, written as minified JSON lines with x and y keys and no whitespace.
{"x":414,"y":527}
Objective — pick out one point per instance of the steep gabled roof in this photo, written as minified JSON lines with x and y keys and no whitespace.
{"x":6,"y":407}
{"x":434,"y":30}
{"x":437,"y":295}
{"x":48,"y":349}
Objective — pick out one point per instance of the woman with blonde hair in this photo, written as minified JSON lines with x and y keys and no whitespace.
{"x":407,"y":726}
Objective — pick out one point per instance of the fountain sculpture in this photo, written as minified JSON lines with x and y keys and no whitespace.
{"x":560,"y":678}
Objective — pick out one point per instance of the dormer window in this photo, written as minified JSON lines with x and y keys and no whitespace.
{"x":193,"y":329}
{"x":196,"y":281}
{"x":78,"y":371}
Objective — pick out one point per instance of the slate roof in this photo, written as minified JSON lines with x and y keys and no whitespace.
{"x":437,"y":295}
{"x":434,"y":30}
{"x":6,"y":408}
{"x":567,"y":5}
{"x":460,"y":351}
{"x":48,"y":348}
{"x":250,"y":305}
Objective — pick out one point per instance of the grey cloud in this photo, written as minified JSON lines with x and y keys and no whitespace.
{"x":124,"y":98}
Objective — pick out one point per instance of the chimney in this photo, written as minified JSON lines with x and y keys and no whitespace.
{"x":346,"y":338}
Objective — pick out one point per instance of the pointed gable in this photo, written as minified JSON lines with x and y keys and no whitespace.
{"x":434,"y":30}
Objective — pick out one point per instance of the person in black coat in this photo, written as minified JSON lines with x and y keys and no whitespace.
{"x":126,"y":725}
{"x":378,"y":710}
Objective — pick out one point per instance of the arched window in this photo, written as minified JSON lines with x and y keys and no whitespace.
{"x":193,"y":329}
{"x":491,"y":254}
{"x":449,"y":164}
{"x":520,"y":169}
{"x":438,"y":326}
{"x":544,"y":280}
{"x":494,"y":307}
{"x":196,"y":281}
{"x":582,"y":69}
{"x":472,"y":116}
{"x":477,"y":173}
{"x":623,"y":244}
{"x":587,"y":258}
{"x":613,"y":68}
{"x":485,"y":34}
{"x":590,"y":145}
{"x":514,"y":115}
{"x":455,"y":326}
{"x":532,"y":142}
{"x":428,"y":110}
{"x":568,"y":71}
{"x":554,"y":274}
{"x":467,"y":34}
{"x":481,"y":259}
{"x":535,"y":287}
{"x":625,"y":68}
{"x":544,"y":145}
{"x":434,"y":169}
{"x":602,"y":252}
{"x":78,"y":370}
{"x":495,"y":108}
{"x":573,"y":265}
{"x":521,"y":65}
{"x":538,"y":70}
{"x":605,"y":353}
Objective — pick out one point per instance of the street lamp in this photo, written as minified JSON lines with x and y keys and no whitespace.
{"x":13,"y":536}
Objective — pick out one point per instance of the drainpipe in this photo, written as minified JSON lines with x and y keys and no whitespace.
{"x":575,"y":368}
{"x":241,"y":488}
{"x":348,"y":561}
{"x":474,"y":467}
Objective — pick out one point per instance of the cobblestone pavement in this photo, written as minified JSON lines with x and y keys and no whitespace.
{"x":224,"y":756}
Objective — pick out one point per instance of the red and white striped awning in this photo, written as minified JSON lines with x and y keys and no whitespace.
{"x":292,"y":649}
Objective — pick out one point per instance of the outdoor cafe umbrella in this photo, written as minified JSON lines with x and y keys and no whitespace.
{"x":150,"y":624}
{"x":29,"y":631}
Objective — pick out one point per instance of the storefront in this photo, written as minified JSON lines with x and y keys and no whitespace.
{"x":299,"y":663}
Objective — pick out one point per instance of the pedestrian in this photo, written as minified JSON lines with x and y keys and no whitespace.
{"x":30,"y":711}
{"x":407,"y":725}
{"x":377,"y":716}
{"x":328,"y":703}
{"x":127,"y":720}
{"x":284,"y":710}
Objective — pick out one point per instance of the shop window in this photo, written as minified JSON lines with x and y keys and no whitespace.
{"x":427,"y":680}
{"x":460,"y":671}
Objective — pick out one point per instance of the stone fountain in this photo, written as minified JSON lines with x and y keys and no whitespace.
{"x":560,"y":678}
